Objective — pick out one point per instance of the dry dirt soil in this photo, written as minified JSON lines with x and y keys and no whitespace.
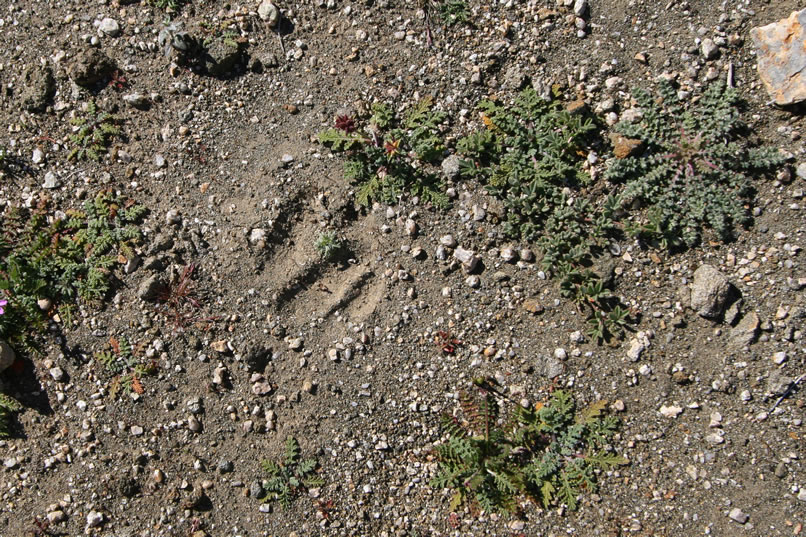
{"x":343,"y":355}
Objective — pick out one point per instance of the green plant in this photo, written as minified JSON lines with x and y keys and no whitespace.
{"x":695,"y":170}
{"x":47,"y":262}
{"x":290,"y":477}
{"x":8,"y":406}
{"x":122,"y":360}
{"x":453,"y":12}
{"x":607,"y":318}
{"x":529,"y":155}
{"x":392,"y":156}
{"x":225,"y":30}
{"x":327,"y":245}
{"x":548,"y":455}
{"x":168,"y":5}
{"x":93,"y":132}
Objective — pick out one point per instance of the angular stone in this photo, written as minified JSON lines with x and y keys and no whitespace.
{"x":269,"y":13}
{"x":109,"y":26}
{"x":781,"y":53}
{"x":624,"y":147}
{"x":451,"y":167}
{"x":549,"y":367}
{"x":709,"y":49}
{"x":671,"y":411}
{"x":137,"y":100}
{"x":637,"y":347}
{"x":744,"y":333}
{"x":581,"y":8}
{"x":710,"y":292}
{"x":737,"y":515}
{"x":533,"y":305}
{"x":94,"y":519}
{"x":469,"y":260}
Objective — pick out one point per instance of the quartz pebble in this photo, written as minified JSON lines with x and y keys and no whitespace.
{"x":737,"y":515}
{"x":94,"y":519}
{"x":671,"y":411}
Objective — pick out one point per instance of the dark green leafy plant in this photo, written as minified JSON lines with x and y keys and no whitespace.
{"x":327,"y":245}
{"x":60,"y":260}
{"x":95,"y":131}
{"x":696,"y":167}
{"x":168,"y":5}
{"x":549,"y":455}
{"x":123,"y":361}
{"x":530,"y":156}
{"x":607,"y":318}
{"x":453,"y":12}
{"x":290,"y":477}
{"x":392,"y":156}
{"x":8,"y":406}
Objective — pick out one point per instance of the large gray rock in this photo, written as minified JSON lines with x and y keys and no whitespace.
{"x":710,"y":292}
{"x":781,"y":53}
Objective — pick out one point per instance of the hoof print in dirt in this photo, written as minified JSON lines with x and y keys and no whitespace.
{"x":91,"y":68}
{"x":38,"y":87}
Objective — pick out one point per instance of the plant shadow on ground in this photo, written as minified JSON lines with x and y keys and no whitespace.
{"x":13,"y":167}
{"x":28,"y":391}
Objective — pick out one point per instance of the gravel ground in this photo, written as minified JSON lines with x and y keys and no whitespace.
{"x":342,"y":355}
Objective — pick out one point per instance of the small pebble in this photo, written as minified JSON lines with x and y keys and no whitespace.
{"x":225,"y":466}
{"x":57,"y":373}
{"x":94,"y":519}
{"x":737,"y":515}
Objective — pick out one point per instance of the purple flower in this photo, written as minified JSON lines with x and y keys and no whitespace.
{"x":3,"y":303}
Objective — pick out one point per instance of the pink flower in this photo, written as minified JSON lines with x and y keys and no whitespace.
{"x":3,"y":303}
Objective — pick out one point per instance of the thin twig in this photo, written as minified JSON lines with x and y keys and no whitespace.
{"x":787,"y":392}
{"x":280,"y":38}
